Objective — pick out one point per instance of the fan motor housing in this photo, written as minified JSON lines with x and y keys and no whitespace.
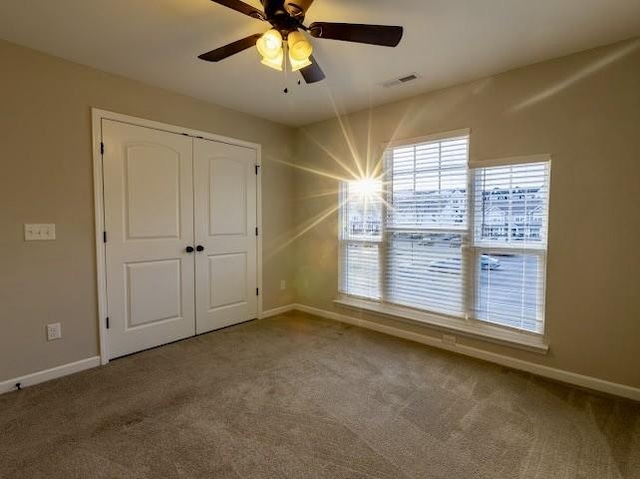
{"x":283,"y":14}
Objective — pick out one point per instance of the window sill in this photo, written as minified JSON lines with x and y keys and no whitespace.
{"x":474,"y":329}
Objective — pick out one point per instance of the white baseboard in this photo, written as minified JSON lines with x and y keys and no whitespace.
{"x":76,"y":367}
{"x":49,"y":374}
{"x":276,"y":311}
{"x":537,"y":369}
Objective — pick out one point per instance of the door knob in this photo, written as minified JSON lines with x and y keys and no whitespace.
{"x":190,"y":249}
{"x":199,"y":248}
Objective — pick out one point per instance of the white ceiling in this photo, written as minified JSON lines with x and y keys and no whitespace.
{"x":446,"y":42}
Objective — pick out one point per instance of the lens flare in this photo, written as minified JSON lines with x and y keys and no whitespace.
{"x":365,"y":187}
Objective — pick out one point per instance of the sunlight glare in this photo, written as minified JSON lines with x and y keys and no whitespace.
{"x":365,"y":187}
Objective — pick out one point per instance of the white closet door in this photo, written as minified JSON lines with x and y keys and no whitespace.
{"x":225,"y":229}
{"x":148,"y":193}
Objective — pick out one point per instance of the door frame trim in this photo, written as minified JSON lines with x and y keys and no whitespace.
{"x":97,"y":115}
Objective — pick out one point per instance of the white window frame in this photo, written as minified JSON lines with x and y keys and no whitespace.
{"x":467,"y":326}
{"x":526,"y":249}
{"x":345,"y":242}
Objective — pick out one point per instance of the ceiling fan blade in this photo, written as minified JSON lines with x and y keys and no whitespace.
{"x":313,"y":73}
{"x":383,"y":35}
{"x":242,"y":7}
{"x":297,"y":7}
{"x":230,"y":49}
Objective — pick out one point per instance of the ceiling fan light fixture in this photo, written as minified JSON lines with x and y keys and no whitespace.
{"x":299,"y":48}
{"x":270,"y":44}
{"x":298,"y":64}
{"x":286,"y":43}
{"x":276,"y":63}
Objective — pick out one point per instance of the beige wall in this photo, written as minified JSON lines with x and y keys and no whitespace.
{"x":585,"y":111}
{"x":46,"y":177}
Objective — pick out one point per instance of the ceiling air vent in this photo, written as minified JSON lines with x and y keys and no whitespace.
{"x":401,"y":81}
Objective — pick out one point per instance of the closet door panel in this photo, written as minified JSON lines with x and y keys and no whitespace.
{"x":148,"y":201}
{"x":225,"y":231}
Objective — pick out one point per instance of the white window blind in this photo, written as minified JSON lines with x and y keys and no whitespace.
{"x":439,"y":236}
{"x":428,"y":184}
{"x":510,"y":217}
{"x":426,"y":214}
{"x":361,"y":270}
{"x":424,"y":271}
{"x":361,"y":234}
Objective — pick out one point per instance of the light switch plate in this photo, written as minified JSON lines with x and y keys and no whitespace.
{"x":39,"y":232}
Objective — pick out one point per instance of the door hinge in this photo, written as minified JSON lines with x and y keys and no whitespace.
{"x":257,"y":169}
{"x":257,"y":291}
{"x":257,"y":231}
{"x":101,"y":148}
{"x":108,"y":322}
{"x":104,"y":236}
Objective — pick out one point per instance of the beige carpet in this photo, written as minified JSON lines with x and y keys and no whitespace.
{"x":301,"y":397}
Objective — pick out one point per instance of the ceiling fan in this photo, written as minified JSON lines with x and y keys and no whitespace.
{"x":287,"y":17}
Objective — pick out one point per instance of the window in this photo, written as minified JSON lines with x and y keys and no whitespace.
{"x":361,"y":236}
{"x":437,"y":234}
{"x":426,"y":225}
{"x":509,"y":243}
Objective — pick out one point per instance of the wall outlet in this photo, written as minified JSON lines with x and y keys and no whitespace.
{"x":39,"y":232}
{"x":54,"y":331}
{"x":449,"y":339}
{"x":283,"y":285}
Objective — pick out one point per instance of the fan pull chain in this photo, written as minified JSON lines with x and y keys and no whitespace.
{"x":285,"y":47}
